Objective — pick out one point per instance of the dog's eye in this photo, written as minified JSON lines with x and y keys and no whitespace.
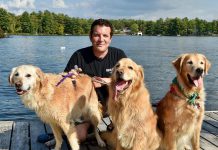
{"x":130,"y":67}
{"x":190,"y":62}
{"x":28,"y":75}
{"x":16,"y":74}
{"x":118,"y":65}
{"x":201,"y":62}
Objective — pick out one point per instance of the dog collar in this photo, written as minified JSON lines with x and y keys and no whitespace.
{"x":190,"y":97}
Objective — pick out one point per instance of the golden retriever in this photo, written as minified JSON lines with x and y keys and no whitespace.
{"x":59,"y":105}
{"x":181,"y":111}
{"x":129,"y":106}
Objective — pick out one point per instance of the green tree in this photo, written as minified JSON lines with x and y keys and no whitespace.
{"x":12,"y":23}
{"x":68,"y":25}
{"x":159,"y":27}
{"x":191,"y":27}
{"x":39,"y":18}
{"x":60,"y":30}
{"x":134,"y":28}
{"x":4,"y":17}
{"x":174,"y":26}
{"x":149,"y":28}
{"x":118,"y":25}
{"x":48,"y":23}
{"x":59,"y":23}
{"x":200,"y":26}
{"x":214,"y":26}
{"x":77,"y":27}
{"x":34,"y":22}
{"x":25,"y":23}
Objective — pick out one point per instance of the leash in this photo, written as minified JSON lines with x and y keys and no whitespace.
{"x":99,"y":80}
{"x":64,"y":77}
{"x":69,"y":75}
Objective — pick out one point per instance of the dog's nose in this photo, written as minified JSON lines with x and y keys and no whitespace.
{"x":119,"y":73}
{"x":199,"y":71}
{"x":18,"y":84}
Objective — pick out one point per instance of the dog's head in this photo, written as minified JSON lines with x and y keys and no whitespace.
{"x":191,"y":68}
{"x":127,"y":75}
{"x":25,"y":78}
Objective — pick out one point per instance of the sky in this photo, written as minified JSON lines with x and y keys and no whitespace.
{"x":119,"y":9}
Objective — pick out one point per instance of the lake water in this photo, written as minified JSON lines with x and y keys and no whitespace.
{"x":155,"y":54}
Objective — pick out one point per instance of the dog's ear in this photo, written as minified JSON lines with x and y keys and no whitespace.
{"x":39,"y":73}
{"x":141,"y":72}
{"x":10,"y":79}
{"x":177,"y":63}
{"x":41,"y":77}
{"x":207,"y":65}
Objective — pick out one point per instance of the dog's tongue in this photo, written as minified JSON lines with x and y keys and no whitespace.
{"x":198,"y":82}
{"x":121,"y":85}
{"x":20,"y":92}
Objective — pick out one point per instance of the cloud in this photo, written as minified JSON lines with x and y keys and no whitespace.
{"x":119,"y":9}
{"x":19,"y":4}
{"x":153,"y":9}
{"x":82,"y":5}
{"x":59,"y":4}
{"x":4,"y":6}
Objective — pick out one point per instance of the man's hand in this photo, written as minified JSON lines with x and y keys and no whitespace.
{"x":98,"y":81}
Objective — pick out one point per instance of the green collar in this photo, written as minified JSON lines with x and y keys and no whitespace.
{"x":191,"y":97}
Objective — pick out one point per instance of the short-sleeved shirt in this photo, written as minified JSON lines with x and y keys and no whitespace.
{"x":93,"y":66}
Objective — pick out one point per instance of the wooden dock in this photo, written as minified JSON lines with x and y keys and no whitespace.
{"x":22,"y":135}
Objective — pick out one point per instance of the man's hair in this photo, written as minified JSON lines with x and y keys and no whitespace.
{"x":101,"y":22}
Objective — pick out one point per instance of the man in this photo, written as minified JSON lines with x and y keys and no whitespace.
{"x":97,"y":61}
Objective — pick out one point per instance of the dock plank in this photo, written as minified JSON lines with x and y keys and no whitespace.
{"x":209,"y":137}
{"x":205,"y":145}
{"x":36,"y":128}
{"x":212,"y":117}
{"x":210,"y":128}
{"x":5,"y":134}
{"x":20,"y":136}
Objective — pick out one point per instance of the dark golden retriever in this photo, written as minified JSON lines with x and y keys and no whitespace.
{"x":181,"y":111}
{"x":59,"y":105}
{"x":130,"y":108}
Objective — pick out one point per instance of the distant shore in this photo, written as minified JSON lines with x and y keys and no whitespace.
{"x":116,"y":34}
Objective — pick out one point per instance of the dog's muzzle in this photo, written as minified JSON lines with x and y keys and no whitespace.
{"x":121,"y":84}
{"x":196,"y":80}
{"x":199,"y":71}
{"x":19,"y":90}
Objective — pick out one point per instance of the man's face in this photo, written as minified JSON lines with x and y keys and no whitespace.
{"x":101,"y":38}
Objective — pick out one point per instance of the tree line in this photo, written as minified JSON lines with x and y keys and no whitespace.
{"x":49,"y":23}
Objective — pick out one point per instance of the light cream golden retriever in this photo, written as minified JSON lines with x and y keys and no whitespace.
{"x":59,"y":105}
{"x":181,"y":111}
{"x":129,"y":106}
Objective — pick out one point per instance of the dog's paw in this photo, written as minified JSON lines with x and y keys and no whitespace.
{"x":101,"y":143}
{"x":187,"y":147}
{"x":126,"y":141}
{"x":50,"y":143}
